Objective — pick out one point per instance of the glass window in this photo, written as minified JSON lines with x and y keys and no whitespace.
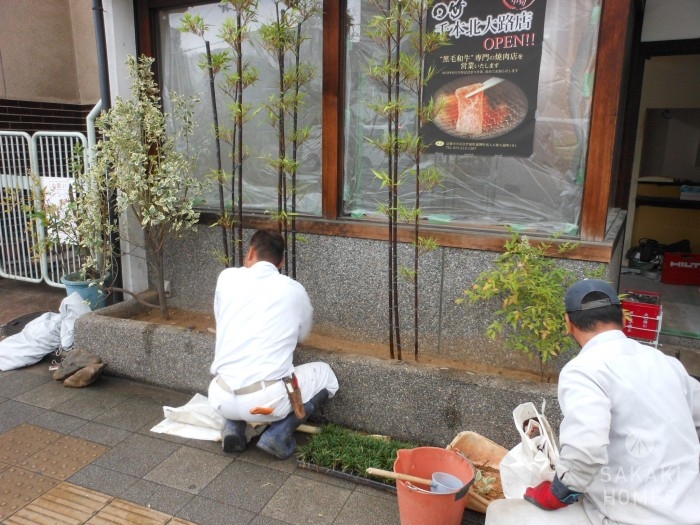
{"x":542,"y":191}
{"x":178,"y":60}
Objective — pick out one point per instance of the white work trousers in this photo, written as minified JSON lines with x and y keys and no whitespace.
{"x":312,"y":377}
{"x":521,"y":512}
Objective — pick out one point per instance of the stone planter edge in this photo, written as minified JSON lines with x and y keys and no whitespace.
{"x":403,"y":400}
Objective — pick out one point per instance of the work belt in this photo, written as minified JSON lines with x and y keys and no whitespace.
{"x":248,"y":389}
{"x":291,"y":385}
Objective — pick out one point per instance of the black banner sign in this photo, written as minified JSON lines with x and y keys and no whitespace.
{"x":486,"y":78}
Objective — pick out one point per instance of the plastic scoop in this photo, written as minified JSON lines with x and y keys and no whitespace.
{"x":441,"y":482}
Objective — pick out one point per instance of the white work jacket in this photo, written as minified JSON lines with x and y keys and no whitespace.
{"x":629,"y":437}
{"x":260,"y":317}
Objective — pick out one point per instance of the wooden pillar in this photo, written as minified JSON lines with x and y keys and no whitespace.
{"x":607,"y":115}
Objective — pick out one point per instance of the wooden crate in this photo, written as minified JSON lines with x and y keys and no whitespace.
{"x":486,"y":456}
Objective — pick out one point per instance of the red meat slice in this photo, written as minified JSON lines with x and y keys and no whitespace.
{"x":471,"y":110}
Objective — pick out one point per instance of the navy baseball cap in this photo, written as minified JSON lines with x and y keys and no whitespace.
{"x":578,"y":292}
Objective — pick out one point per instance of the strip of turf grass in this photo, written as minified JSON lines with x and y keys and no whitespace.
{"x":344,"y":450}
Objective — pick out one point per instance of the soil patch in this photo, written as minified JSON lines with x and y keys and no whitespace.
{"x":204,"y":322}
{"x":199,"y":321}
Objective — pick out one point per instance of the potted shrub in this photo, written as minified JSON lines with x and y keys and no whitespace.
{"x":76,"y":232}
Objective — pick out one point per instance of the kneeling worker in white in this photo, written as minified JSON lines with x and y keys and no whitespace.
{"x":629,"y":438}
{"x":261,"y":315}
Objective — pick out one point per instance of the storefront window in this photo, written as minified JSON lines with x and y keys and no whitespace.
{"x":541,"y":189}
{"x":178,"y":61}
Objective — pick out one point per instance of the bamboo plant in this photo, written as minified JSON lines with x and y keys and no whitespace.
{"x":235,"y":31}
{"x":213,"y":63}
{"x":399,"y":30}
{"x":426,"y":179}
{"x":283,"y":37}
{"x":238,"y":76}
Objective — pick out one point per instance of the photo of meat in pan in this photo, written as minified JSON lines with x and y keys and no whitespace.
{"x":480,"y":107}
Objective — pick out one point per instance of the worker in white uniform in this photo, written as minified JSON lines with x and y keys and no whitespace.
{"x":261,"y":315}
{"x":629,"y":437}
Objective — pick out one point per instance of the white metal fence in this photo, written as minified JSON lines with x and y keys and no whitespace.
{"x":50,"y":156}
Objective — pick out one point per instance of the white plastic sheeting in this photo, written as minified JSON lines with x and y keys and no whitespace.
{"x":39,"y":338}
{"x":72,"y":307}
{"x":180,"y":73}
{"x":542,"y":192}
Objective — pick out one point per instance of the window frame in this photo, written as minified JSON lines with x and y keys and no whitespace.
{"x":615,"y":43}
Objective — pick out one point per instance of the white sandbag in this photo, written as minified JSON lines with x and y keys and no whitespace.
{"x":39,"y":337}
{"x":72,"y":307}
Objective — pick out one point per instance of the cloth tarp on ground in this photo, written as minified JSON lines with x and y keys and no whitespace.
{"x":195,"y":420}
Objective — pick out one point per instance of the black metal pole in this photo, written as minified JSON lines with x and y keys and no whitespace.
{"x":105,"y":94}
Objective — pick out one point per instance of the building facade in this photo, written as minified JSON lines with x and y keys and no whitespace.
{"x":571,"y":175}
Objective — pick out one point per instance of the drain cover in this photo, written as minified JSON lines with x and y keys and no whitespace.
{"x":17,"y":325}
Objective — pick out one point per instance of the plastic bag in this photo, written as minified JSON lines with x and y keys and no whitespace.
{"x":533,"y":460}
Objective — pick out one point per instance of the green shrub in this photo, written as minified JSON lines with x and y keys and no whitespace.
{"x":531,"y":286}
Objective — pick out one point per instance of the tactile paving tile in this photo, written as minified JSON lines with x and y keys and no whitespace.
{"x":65,"y":503}
{"x":64,"y":458}
{"x":19,"y":487}
{"x":124,"y":512}
{"x":24,"y":441}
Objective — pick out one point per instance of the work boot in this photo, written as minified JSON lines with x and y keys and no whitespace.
{"x":233,"y":436}
{"x":278,"y":439}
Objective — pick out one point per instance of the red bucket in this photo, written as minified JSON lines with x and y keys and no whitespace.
{"x":418,"y":505}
